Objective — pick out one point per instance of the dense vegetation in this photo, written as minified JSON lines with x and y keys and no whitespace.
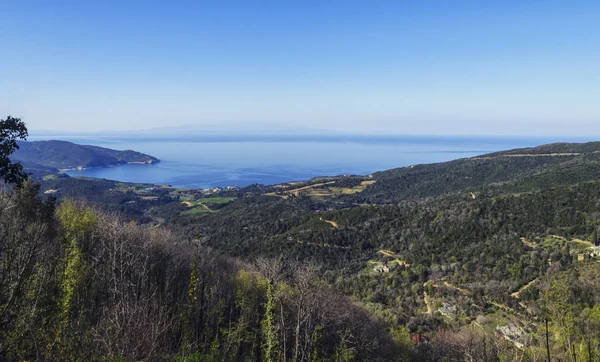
{"x":80,"y":284}
{"x":67,"y":155}
{"x":484,"y":259}
{"x":442,"y":249}
{"x":11,"y":130}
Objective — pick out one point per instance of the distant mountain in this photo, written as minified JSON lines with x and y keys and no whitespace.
{"x":64,"y":155}
{"x":233,"y":129}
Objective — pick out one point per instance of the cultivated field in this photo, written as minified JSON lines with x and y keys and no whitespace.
{"x":318,"y":190}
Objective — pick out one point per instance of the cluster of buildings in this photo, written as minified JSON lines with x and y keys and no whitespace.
{"x":590,"y":253}
{"x":200,"y":192}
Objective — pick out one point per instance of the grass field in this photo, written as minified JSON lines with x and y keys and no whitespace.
{"x":553,"y":242}
{"x":199,"y":206}
{"x":352,"y":190}
{"x":320,"y":190}
{"x":208,"y":201}
{"x":556,"y":242}
{"x":215,"y":200}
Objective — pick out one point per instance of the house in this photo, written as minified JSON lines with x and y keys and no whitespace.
{"x":381,"y":268}
{"x":514,"y":334}
{"x":419,"y":339}
{"x":447,"y":310}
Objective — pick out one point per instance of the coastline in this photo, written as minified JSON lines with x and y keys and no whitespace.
{"x":209,"y":165}
{"x":81,"y":168}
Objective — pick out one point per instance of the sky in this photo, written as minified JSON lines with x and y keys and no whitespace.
{"x":370,"y":67}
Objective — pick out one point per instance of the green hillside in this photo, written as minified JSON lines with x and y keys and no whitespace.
{"x":471,"y":256}
{"x":515,"y":170}
{"x":487,"y":244}
{"x":64,"y":155}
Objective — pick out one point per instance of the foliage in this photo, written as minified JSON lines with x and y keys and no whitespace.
{"x":456,"y":233}
{"x":80,"y":284}
{"x":268,"y":326}
{"x":495,"y":242}
{"x":68,"y":155}
{"x":11,"y":130}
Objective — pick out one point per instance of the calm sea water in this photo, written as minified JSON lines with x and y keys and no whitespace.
{"x":204,"y":163}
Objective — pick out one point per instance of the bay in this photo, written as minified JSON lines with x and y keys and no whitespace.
{"x":201,"y":162}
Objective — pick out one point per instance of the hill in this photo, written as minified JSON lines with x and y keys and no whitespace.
{"x":514,"y":170}
{"x":63,"y":155}
{"x":492,"y":243}
{"x":481,"y":249}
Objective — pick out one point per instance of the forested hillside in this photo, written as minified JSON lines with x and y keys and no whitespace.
{"x":80,"y":284}
{"x":488,"y":247}
{"x":510,"y":171}
{"x":66,"y":155}
{"x":492,"y":258}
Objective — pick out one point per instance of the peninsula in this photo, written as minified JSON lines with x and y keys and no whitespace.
{"x":63,"y":155}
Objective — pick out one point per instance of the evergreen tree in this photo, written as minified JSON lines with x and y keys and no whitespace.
{"x":11,"y":130}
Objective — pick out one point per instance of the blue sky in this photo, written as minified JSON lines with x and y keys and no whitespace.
{"x":381,"y":67}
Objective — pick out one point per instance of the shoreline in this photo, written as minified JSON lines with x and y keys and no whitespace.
{"x":80,"y":168}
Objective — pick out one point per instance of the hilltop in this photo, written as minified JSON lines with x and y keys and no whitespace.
{"x":63,"y":155}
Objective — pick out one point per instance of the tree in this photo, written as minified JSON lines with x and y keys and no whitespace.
{"x":558,"y":302}
{"x":268,"y":326}
{"x":27,"y":258}
{"x":11,"y":129}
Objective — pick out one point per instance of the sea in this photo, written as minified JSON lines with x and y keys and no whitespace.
{"x":220,"y":161}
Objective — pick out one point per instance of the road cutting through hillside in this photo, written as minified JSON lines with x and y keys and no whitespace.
{"x":427,"y":300}
{"x":517,"y":294}
{"x":296,"y":192}
{"x":330,"y":222}
{"x":565,"y":154}
{"x":394,"y":256}
{"x":427,"y":297}
{"x":531,"y":244}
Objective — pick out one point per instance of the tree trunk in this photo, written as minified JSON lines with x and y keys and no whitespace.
{"x":297,"y":348}
{"x":284,"y":349}
{"x":547,"y":341}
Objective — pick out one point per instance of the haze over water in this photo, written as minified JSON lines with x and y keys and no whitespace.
{"x":202,"y":162}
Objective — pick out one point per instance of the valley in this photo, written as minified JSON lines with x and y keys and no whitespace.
{"x":477,"y":242}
